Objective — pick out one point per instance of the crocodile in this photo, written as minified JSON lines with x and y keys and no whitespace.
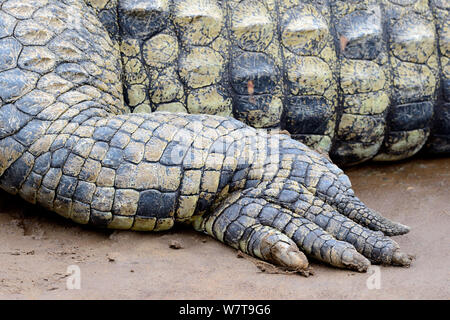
{"x":69,"y":144}
{"x":360,"y":79}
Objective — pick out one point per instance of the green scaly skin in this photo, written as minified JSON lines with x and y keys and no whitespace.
{"x":67,"y":143}
{"x":362,"y":80}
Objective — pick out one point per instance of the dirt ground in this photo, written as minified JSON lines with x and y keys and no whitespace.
{"x":37,"y":248}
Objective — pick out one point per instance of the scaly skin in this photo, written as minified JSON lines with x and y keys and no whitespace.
{"x":66,"y":143}
{"x":366,"y":79}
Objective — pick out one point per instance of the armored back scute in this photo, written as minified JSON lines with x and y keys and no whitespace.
{"x":363,"y":79}
{"x":439,"y":141}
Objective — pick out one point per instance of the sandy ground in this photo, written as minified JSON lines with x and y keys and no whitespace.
{"x":37,"y":248}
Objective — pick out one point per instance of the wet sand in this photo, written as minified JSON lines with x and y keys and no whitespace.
{"x":37,"y":247}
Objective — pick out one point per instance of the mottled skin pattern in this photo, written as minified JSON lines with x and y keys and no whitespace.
{"x":66,"y":143}
{"x":361,"y":79}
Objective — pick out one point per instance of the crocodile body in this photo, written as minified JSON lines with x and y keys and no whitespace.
{"x":366,"y":79}
{"x":68,"y":143}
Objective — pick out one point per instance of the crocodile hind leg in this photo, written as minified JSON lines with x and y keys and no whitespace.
{"x":67,"y":144}
{"x":300,"y":194}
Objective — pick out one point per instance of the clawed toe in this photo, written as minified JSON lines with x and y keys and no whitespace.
{"x":288,"y":256}
{"x":402,"y":259}
{"x":353,"y":260}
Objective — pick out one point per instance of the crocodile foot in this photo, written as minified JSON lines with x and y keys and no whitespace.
{"x":282,"y":233}
{"x":307,"y":209}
